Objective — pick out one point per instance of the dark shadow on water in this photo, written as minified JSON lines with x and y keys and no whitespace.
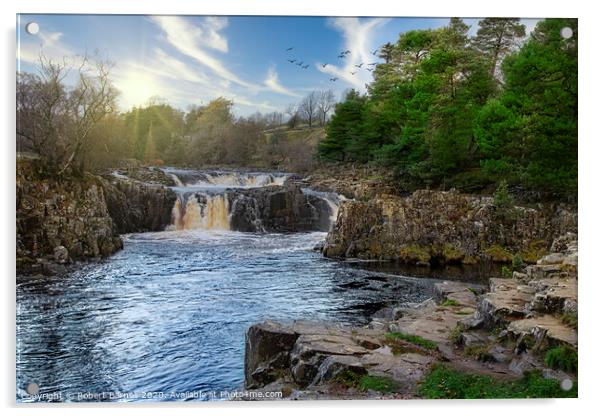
{"x":477,"y":273}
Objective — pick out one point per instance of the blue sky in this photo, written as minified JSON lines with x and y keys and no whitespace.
{"x":193,"y":59}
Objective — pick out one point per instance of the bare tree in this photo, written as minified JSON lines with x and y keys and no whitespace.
{"x":309,"y":107}
{"x":292,"y":110}
{"x":326,"y":102}
{"x":55,"y":121}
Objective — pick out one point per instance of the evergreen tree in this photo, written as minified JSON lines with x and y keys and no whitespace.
{"x":497,"y":37}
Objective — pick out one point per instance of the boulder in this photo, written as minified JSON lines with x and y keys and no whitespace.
{"x":61,"y":255}
{"x":267,"y":346}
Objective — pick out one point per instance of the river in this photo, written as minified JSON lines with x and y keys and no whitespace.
{"x":166,"y":316}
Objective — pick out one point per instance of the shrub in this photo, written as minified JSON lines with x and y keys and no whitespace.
{"x":562,"y":358}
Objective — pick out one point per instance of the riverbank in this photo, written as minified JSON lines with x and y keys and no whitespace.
{"x":519,"y":331}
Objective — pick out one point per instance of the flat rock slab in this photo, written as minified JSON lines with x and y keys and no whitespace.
{"x":507,"y":301}
{"x":462,"y":293}
{"x":545,"y":326}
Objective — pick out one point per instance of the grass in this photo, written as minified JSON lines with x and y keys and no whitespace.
{"x":366,"y":382}
{"x":377,"y":383}
{"x":455,"y":335}
{"x":562,"y":358}
{"x":569,"y":319}
{"x":414,"y":339}
{"x":450,"y":302}
{"x":473,"y":291}
{"x":444,"y":383}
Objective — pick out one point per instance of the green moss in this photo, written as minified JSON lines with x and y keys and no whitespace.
{"x":469,"y":260}
{"x":450,"y":302}
{"x":452,"y":254}
{"x":377,"y":383}
{"x":562,"y":358}
{"x":536,"y":250}
{"x":414,"y":253}
{"x":499,"y":254}
{"x":444,"y":383}
{"x":414,"y":339}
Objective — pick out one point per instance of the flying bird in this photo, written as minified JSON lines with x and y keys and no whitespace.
{"x":360,"y":65}
{"x":373,"y":63}
{"x":324,"y":65}
{"x":291,"y":60}
{"x":290,"y":49}
{"x":333,"y":79}
{"x":370,"y":69}
{"x":300,"y":63}
{"x":305,"y":66}
{"x":375,"y":51}
{"x":346,"y":52}
{"x":353,"y":73}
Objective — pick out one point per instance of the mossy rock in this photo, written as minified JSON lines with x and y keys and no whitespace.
{"x":499,"y":254}
{"x":414,"y":254}
{"x":452,"y":254}
{"x":536,"y":250}
{"x":469,"y":260}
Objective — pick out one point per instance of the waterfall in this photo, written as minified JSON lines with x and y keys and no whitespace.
{"x":248,"y":202}
{"x":189,"y":213}
{"x":332,"y":200}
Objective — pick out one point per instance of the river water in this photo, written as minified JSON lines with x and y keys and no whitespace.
{"x":166,"y":317}
{"x":169,"y":312}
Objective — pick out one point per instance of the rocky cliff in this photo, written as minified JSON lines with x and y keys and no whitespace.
{"x":444,"y":227}
{"x":60,"y":219}
{"x":278,"y":209}
{"x":137,"y":206}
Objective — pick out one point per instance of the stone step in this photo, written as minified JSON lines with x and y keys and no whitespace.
{"x":543,"y":331}
{"x":508,"y":300}
{"x":554,"y":295}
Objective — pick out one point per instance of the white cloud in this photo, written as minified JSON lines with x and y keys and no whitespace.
{"x":272,"y":83}
{"x":192,"y":40}
{"x":358,"y":36}
{"x":49,"y":44}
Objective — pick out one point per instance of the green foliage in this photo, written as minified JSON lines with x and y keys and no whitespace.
{"x":502,"y":199}
{"x":455,"y":334}
{"x":414,"y":339}
{"x":517,"y":262}
{"x":450,"y":302}
{"x":440,"y":114}
{"x":444,"y":383}
{"x":499,"y":254}
{"x":570,"y":319}
{"x":506,"y":272}
{"x":377,"y":383}
{"x":562,"y":358}
{"x":529,"y":134}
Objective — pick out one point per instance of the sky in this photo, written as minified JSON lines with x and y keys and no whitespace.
{"x":191,"y":60}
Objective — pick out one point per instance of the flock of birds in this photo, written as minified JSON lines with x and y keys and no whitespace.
{"x":342,"y":55}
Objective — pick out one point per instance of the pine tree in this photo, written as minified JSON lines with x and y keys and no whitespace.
{"x":497,"y":37}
